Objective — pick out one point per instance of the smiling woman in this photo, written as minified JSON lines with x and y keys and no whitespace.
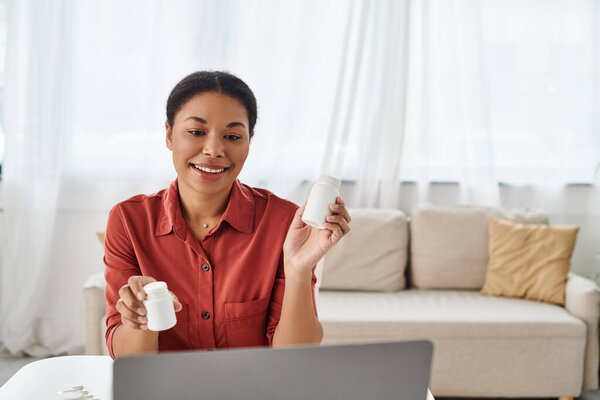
{"x":239,"y":261}
{"x":210,"y":139}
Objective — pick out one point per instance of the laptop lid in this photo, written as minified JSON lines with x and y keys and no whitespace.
{"x":390,"y":370}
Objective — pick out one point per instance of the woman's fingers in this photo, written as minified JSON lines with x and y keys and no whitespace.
{"x":128,"y":297}
{"x":137,"y":283}
{"x":130,"y":304}
{"x":339,"y":220}
{"x":339,"y":208}
{"x":129,"y":317}
{"x":335,"y":229}
{"x":176,"y":302}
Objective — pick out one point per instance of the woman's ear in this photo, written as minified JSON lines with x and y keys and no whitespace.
{"x":169,"y":137}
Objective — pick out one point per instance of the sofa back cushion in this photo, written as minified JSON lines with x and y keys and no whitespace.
{"x":372,"y":256}
{"x":449,"y":245}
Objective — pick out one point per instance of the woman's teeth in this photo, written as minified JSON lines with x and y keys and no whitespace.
{"x":210,"y":171}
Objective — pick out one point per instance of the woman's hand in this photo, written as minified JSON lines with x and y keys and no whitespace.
{"x":130,"y":305}
{"x":305,"y":245}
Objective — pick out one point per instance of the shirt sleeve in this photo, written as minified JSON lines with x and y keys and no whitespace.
{"x":276,"y":302}
{"x":121,"y":263}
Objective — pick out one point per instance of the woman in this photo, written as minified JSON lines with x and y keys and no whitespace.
{"x":238,"y":260}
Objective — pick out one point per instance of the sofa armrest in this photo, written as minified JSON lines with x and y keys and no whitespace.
{"x":582,"y":299}
{"x":95,"y":309}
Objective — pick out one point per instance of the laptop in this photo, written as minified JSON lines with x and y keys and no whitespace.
{"x":389,"y":370}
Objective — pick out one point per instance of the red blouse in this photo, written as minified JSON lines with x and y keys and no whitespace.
{"x":230,"y":283}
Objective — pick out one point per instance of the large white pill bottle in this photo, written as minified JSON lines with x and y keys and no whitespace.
{"x":322,"y":194}
{"x":159,"y":307}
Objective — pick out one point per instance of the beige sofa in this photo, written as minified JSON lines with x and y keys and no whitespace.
{"x":389,"y":279}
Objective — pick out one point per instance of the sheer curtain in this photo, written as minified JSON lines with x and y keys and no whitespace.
{"x":375,"y":92}
{"x":36,"y":115}
{"x":367,"y":129}
{"x":503,"y":91}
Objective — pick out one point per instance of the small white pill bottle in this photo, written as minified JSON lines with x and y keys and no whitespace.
{"x":322,"y":194}
{"x":160,"y":310}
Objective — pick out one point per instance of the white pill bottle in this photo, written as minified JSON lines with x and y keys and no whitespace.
{"x":160,"y":310}
{"x":322,"y":194}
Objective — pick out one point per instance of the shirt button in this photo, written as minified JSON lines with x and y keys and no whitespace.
{"x":206,"y":315}
{"x":205,"y":267}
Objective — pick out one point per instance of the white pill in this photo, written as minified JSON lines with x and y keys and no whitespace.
{"x":80,"y":387}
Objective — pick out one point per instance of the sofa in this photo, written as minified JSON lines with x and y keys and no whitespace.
{"x":392,"y":278}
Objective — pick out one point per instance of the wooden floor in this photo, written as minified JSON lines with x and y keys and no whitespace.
{"x":10,"y":365}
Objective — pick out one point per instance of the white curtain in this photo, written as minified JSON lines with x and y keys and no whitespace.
{"x":374,"y":91}
{"x":503,"y":91}
{"x":37,"y":129}
{"x":364,"y":140}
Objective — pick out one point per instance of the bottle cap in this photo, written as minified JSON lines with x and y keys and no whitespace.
{"x":156,"y":289}
{"x":331,"y":180}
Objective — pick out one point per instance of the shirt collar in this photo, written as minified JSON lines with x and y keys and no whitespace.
{"x":239,"y":212}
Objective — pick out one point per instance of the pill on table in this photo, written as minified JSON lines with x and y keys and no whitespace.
{"x":80,"y":387}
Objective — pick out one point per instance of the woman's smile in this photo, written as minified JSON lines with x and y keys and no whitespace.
{"x":209,"y":172}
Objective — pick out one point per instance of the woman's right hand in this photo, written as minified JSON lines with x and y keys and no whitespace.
{"x":130,"y":305}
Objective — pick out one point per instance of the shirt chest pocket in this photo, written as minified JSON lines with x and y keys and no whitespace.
{"x":246,"y":323}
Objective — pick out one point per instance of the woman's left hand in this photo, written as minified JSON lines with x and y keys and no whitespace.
{"x":305,"y":245}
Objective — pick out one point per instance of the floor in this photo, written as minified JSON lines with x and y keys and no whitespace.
{"x":10,"y":365}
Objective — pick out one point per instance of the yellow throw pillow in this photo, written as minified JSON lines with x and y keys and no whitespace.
{"x":100,"y":237}
{"x":529,"y":261}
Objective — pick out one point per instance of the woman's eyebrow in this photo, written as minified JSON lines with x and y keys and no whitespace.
{"x":232,"y":124}
{"x":203,"y":121}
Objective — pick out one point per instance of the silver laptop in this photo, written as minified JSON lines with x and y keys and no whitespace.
{"x":391,"y":370}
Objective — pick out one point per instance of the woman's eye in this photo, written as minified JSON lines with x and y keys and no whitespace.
{"x":196,"y":133}
{"x":233,"y":138}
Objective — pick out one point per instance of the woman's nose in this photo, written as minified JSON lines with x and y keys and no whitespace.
{"x":212,"y":146}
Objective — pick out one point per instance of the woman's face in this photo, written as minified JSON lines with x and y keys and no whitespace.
{"x":210,"y":140}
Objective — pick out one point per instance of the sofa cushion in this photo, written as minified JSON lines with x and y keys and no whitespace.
{"x":529,"y":260}
{"x":449,"y":245}
{"x":100,"y":236}
{"x":483,"y":346}
{"x":372,"y":256}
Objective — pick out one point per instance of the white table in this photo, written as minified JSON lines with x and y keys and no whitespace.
{"x":42,"y":379}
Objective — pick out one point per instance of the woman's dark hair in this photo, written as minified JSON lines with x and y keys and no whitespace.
{"x":211,"y":81}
